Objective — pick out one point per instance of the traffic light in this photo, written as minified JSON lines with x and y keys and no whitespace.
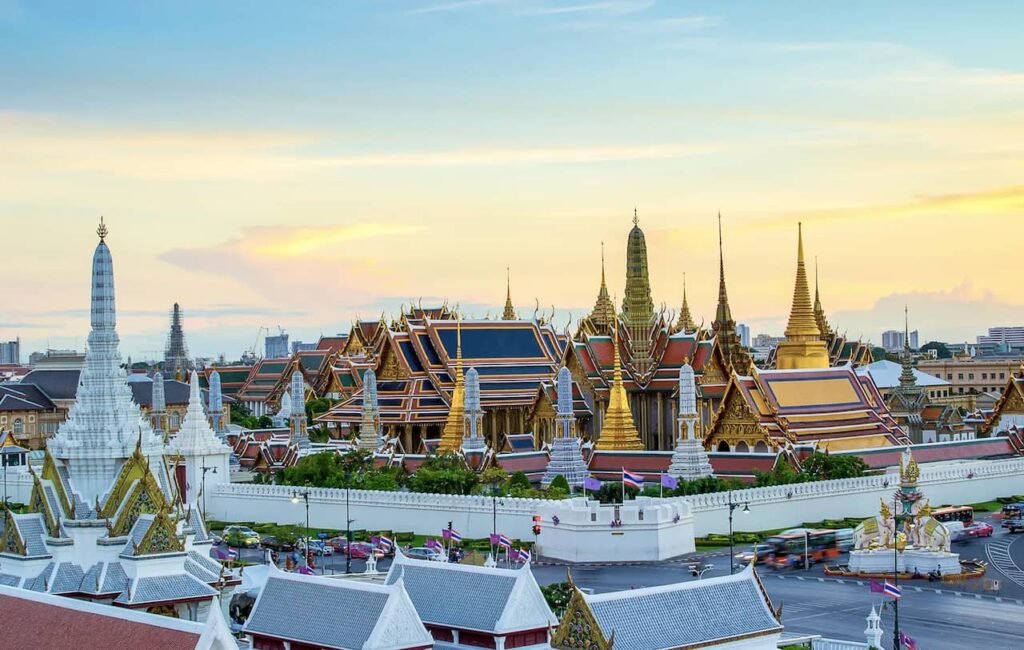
{"x":536,"y":529}
{"x":449,"y":525}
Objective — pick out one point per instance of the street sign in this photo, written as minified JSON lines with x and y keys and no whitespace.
{"x":323,"y":535}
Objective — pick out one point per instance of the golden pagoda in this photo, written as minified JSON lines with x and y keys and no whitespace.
{"x":685,"y":323}
{"x":455,"y":427}
{"x":618,"y":432}
{"x":803,"y":347}
{"x":819,"y":311}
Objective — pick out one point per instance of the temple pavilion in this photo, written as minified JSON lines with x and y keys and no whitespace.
{"x":106,"y":519}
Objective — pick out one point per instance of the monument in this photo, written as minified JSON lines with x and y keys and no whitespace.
{"x":904,"y":538}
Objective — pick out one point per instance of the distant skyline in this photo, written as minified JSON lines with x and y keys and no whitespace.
{"x":300,"y":166}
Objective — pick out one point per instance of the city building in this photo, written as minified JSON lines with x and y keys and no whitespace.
{"x":276,"y":346}
{"x":895,"y":340}
{"x":886,"y":376}
{"x":743,"y":331}
{"x":299,"y":346}
{"x":28,"y":414}
{"x":969,"y":375}
{"x":10,"y":352}
{"x":1010,"y":337}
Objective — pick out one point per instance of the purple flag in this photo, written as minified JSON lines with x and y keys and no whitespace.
{"x":907,"y":641}
{"x":306,"y":571}
{"x":494,"y":538}
{"x":446,"y":534}
{"x":669,"y":481}
{"x":877,"y":587}
{"x":591,"y":484}
{"x":221,"y":555}
{"x":375,"y":540}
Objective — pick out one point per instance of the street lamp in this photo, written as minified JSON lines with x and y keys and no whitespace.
{"x":494,"y":512}
{"x":348,"y":524}
{"x":295,"y":499}
{"x":202,"y":487}
{"x":732,"y":507}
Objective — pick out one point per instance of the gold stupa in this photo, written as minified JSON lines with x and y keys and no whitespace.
{"x":618,"y":432}
{"x":803,"y":347}
{"x":455,"y":427}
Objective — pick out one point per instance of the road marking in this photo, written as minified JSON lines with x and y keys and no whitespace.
{"x":917,"y":589}
{"x":998,"y":552}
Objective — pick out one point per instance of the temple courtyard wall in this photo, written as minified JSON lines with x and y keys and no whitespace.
{"x":476,"y":516}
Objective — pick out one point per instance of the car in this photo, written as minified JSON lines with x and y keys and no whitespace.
{"x":242,"y":536}
{"x":316,"y":545}
{"x":760,"y":551}
{"x":362,"y":550}
{"x":977,"y":529}
{"x":423,"y":553}
{"x":339,"y":544}
{"x":276,"y":543}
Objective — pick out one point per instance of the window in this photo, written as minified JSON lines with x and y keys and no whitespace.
{"x":984,"y":375}
{"x":175,"y":420}
{"x":960,"y":375}
{"x":19,"y":426}
{"x":949,"y":376}
{"x":970,"y":375}
{"x":1002,"y":375}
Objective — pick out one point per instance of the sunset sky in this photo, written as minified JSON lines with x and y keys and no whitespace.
{"x":299,"y":164}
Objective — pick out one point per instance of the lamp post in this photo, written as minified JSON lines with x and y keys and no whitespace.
{"x":295,"y":499}
{"x":897,"y":642}
{"x":202,"y":487}
{"x":732,"y":507}
{"x":348,"y":524}
{"x":494,"y":512}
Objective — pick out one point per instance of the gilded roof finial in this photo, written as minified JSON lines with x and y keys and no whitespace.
{"x":723,"y":325}
{"x":510,"y":312}
{"x":636,"y":218}
{"x":685,"y":322}
{"x":102,"y":229}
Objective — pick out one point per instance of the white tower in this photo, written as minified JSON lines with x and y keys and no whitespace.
{"x":566,"y":456}
{"x":473,"y":441}
{"x":104,"y":424}
{"x":369,"y":433}
{"x":196,"y":446}
{"x":873,"y":633}
{"x":297,"y":420}
{"x":158,"y":410}
{"x":216,"y":405}
{"x":689,"y":460}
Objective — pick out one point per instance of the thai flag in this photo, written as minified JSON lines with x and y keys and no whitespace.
{"x":907,"y":641}
{"x":632,"y":480}
{"x":386,"y":543}
{"x":892,"y":590}
{"x":433,"y":544}
{"x":504,"y":541}
{"x":523,"y":555}
{"x":454,"y":535}
{"x":232,"y":554}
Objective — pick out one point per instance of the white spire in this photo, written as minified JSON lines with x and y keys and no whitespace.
{"x":687,"y":391}
{"x":689,"y":460}
{"x":216,"y":403}
{"x":564,"y":383}
{"x":104,"y":424}
{"x":196,"y":437}
{"x":159,"y":402}
{"x":368,"y":434}
{"x":474,"y":412}
{"x":297,"y":421}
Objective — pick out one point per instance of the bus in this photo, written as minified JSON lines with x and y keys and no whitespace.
{"x":1013,"y":517}
{"x":963,"y":514}
{"x":788,"y":550}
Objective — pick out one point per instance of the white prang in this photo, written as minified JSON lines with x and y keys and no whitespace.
{"x":689,"y":460}
{"x":566,"y":455}
{"x":104,"y":424}
{"x":198,"y":446}
{"x":368,"y":429}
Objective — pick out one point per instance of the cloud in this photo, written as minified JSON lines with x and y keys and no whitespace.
{"x":608,"y":7}
{"x":458,"y":5}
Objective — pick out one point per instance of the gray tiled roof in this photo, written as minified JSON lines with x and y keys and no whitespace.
{"x":138,"y":531}
{"x":91,"y":579}
{"x":56,"y":384}
{"x":195,"y":522}
{"x":434,"y":586}
{"x":51,"y":498}
{"x":31,"y":529}
{"x":41,"y":581}
{"x":161,"y":588}
{"x":68,"y":579}
{"x":344,"y":616}
{"x":115,"y":581}
{"x":8,"y":580}
{"x":205,"y":561}
{"x":685,"y":614}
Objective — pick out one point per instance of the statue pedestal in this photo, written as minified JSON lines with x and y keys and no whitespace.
{"x":924,"y":561}
{"x":880,"y":561}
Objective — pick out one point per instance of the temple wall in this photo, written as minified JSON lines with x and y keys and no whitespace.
{"x":790,"y":505}
{"x":770,"y":508}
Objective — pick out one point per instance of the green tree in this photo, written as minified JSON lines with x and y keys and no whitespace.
{"x":444,"y":474}
{"x":560,"y":483}
{"x":558,"y":595}
{"x":824,"y":467}
{"x":941,"y":351}
{"x":520,"y":481}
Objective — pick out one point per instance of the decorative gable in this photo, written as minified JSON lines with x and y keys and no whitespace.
{"x":579,"y":629}
{"x":12,"y":541}
{"x":734,"y":419}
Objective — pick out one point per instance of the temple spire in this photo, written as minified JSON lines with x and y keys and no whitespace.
{"x":723,"y":315}
{"x":724,"y":326}
{"x":907,"y":378}
{"x":455,"y":426}
{"x":685,"y":323}
{"x":618,"y":431}
{"x":602,"y":317}
{"x":510,"y":312}
{"x":819,"y":311}
{"x":101,"y":230}
{"x":803,"y":347}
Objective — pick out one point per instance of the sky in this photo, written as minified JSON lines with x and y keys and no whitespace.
{"x":304,"y":164}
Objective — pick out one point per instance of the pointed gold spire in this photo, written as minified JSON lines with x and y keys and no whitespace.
{"x":602,"y":317}
{"x":723,"y":315}
{"x":803,"y":347}
{"x":819,"y":311}
{"x":102,"y":230}
{"x":685,"y":323}
{"x":510,"y":312}
{"x":618,"y":431}
{"x":455,"y":426}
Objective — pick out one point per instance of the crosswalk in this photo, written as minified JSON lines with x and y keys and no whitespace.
{"x":998,"y":551}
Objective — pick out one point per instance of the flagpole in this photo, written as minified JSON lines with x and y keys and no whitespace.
{"x":623,"y":486}
{"x":661,"y":485}
{"x":897,"y":643}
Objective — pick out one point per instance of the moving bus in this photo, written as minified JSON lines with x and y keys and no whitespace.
{"x":963,"y":514}
{"x":1013,"y":517}
{"x":788,"y":550}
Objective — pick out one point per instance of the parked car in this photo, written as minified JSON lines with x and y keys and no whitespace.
{"x":424,"y":553}
{"x":362,"y":550}
{"x":339,"y":544}
{"x":276,"y":543}
{"x":316,"y":545}
{"x":956,"y":530}
{"x":977,"y":529}
{"x":242,"y":536}
{"x":758,"y":551}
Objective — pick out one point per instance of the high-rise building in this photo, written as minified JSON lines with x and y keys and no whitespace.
{"x":895,"y":340}
{"x":1012,"y":337}
{"x":276,"y":347}
{"x":299,"y":346}
{"x":10,"y":351}
{"x":743,"y":331}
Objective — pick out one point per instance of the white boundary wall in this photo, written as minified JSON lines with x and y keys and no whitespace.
{"x":770,"y":507}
